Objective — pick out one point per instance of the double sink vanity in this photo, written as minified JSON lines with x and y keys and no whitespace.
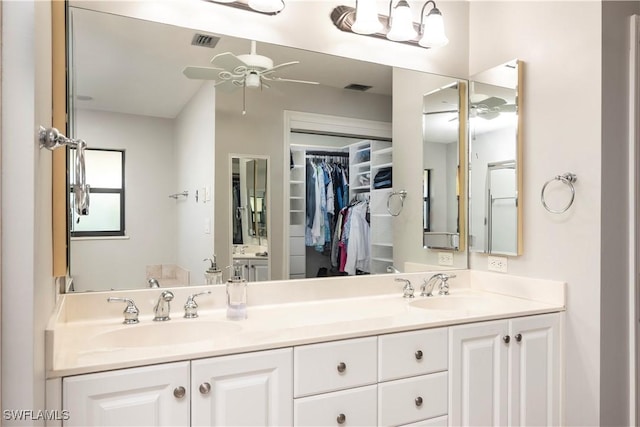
{"x":316,"y":352}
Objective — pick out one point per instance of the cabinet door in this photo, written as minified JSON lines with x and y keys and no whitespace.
{"x":253,"y":389}
{"x":260,"y":270}
{"x":535,"y":371}
{"x":478,"y":372}
{"x":149,"y":396}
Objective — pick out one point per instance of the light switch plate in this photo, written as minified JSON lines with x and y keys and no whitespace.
{"x":497,"y":263}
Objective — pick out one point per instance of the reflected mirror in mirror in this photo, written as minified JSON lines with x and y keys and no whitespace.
{"x":179,"y":133}
{"x":249,"y":201}
{"x":494,"y":163}
{"x":443,"y":145}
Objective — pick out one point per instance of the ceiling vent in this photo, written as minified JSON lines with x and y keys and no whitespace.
{"x":358,"y":87}
{"x":205,"y":40}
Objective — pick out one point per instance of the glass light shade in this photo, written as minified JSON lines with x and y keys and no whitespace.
{"x":266,"y":6}
{"x":434,"y":31}
{"x":367,"y":21}
{"x":401,"y":23}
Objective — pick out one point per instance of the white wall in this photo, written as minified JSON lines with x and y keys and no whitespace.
{"x":27,"y":287}
{"x":560,"y":44}
{"x":194,"y":141}
{"x":150,"y":176}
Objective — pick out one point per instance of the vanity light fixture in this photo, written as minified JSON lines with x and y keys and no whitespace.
{"x":398,"y":26}
{"x":267,"y":7}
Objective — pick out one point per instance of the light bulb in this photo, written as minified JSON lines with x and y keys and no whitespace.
{"x":434,"y":30}
{"x":267,"y":6}
{"x":402,"y":23}
{"x":367,"y":21}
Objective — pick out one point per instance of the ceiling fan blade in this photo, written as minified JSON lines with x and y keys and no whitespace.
{"x":428,"y":113}
{"x":228,"y":61}
{"x":201,"y":73}
{"x":490,"y":115}
{"x":281,"y":79}
{"x":508,"y":108}
{"x":279,"y":67}
{"x":226,"y":86}
{"x":492,"y":102}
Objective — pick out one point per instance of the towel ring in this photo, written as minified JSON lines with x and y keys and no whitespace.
{"x":402,"y":194}
{"x":568,"y":179}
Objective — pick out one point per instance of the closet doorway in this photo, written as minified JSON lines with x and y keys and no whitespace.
{"x":342,"y":156}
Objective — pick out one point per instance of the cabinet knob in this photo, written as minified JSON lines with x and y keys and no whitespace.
{"x":205,"y":388}
{"x":341,"y":418}
{"x":179,"y":392}
{"x":418,"y":401}
{"x":342,"y":367}
{"x":506,"y":339}
{"x":418,"y":354}
{"x":518,"y":337}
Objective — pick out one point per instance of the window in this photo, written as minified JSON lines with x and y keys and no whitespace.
{"x":105,"y":176}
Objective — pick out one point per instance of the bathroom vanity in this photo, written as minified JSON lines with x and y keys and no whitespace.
{"x":347,"y":352}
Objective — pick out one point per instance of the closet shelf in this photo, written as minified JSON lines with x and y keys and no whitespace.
{"x":382,"y":259}
{"x":382,"y":165}
{"x":296,"y":182}
{"x":383,"y":150}
{"x":386,"y":245}
{"x":360,"y":188}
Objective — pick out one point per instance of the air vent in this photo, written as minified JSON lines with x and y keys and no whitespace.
{"x":358,"y":87}
{"x":205,"y":40}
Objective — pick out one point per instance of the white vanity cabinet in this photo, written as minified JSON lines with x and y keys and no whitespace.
{"x":251,"y":389}
{"x":255,"y":270}
{"x":506,"y":372}
{"x":149,"y":396}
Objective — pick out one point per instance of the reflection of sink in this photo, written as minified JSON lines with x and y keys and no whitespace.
{"x":164,"y":333}
{"x":452,"y":303}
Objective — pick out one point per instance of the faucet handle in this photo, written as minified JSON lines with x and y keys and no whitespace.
{"x":407,"y":289}
{"x":130,"y":312}
{"x":444,"y":284}
{"x":191,"y":307}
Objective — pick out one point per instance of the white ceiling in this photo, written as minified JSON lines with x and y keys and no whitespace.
{"x":134,"y":66}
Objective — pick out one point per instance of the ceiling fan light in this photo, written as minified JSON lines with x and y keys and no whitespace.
{"x":267,"y":6}
{"x":252,"y":80}
{"x":434,"y":35}
{"x":367,"y":21}
{"x":401,"y":23}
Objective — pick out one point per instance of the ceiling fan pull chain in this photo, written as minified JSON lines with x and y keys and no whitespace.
{"x":244,"y":99}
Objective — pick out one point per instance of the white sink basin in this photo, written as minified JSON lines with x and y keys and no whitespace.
{"x":164,"y":333}
{"x":453,"y":303}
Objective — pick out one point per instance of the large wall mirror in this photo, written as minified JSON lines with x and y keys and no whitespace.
{"x":444,"y":152}
{"x":495,"y":202}
{"x":188,"y":141}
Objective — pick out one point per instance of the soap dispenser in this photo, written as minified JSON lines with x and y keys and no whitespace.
{"x":237,"y":295}
{"x":213,"y":275}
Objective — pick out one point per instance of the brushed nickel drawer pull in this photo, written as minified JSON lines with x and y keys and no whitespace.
{"x":419,"y":354}
{"x":341,"y":419}
{"x":342,"y":367}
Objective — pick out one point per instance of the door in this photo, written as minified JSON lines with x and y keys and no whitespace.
{"x":535,"y":371}
{"x":253,"y":389}
{"x":478,"y":374}
{"x":148,"y":396}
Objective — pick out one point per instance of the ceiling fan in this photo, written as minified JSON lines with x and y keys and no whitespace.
{"x":491,"y":107}
{"x":246,"y":71}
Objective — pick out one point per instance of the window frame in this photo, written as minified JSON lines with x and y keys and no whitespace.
{"x":101,"y":190}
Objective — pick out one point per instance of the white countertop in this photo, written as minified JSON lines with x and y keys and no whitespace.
{"x":87,"y":335}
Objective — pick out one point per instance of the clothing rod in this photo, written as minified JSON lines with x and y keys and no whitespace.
{"x":327,"y":153}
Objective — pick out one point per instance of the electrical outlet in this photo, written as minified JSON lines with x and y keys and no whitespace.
{"x":445,"y":258}
{"x":497,"y":263}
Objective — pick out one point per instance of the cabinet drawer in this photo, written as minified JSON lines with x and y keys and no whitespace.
{"x":353,"y":407}
{"x":433,"y":422}
{"x":319,"y":368}
{"x":398,"y":401}
{"x":409,"y":354}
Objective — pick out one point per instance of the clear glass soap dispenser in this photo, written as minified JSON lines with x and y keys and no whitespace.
{"x":237,"y":295}
{"x":213,"y":275}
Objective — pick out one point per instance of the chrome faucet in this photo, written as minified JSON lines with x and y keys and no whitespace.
{"x":392,"y":269}
{"x":130,"y":312}
{"x":428,"y":285}
{"x":407,"y":290}
{"x":162,"y":308}
{"x":191,"y":307}
{"x":153,"y":283}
